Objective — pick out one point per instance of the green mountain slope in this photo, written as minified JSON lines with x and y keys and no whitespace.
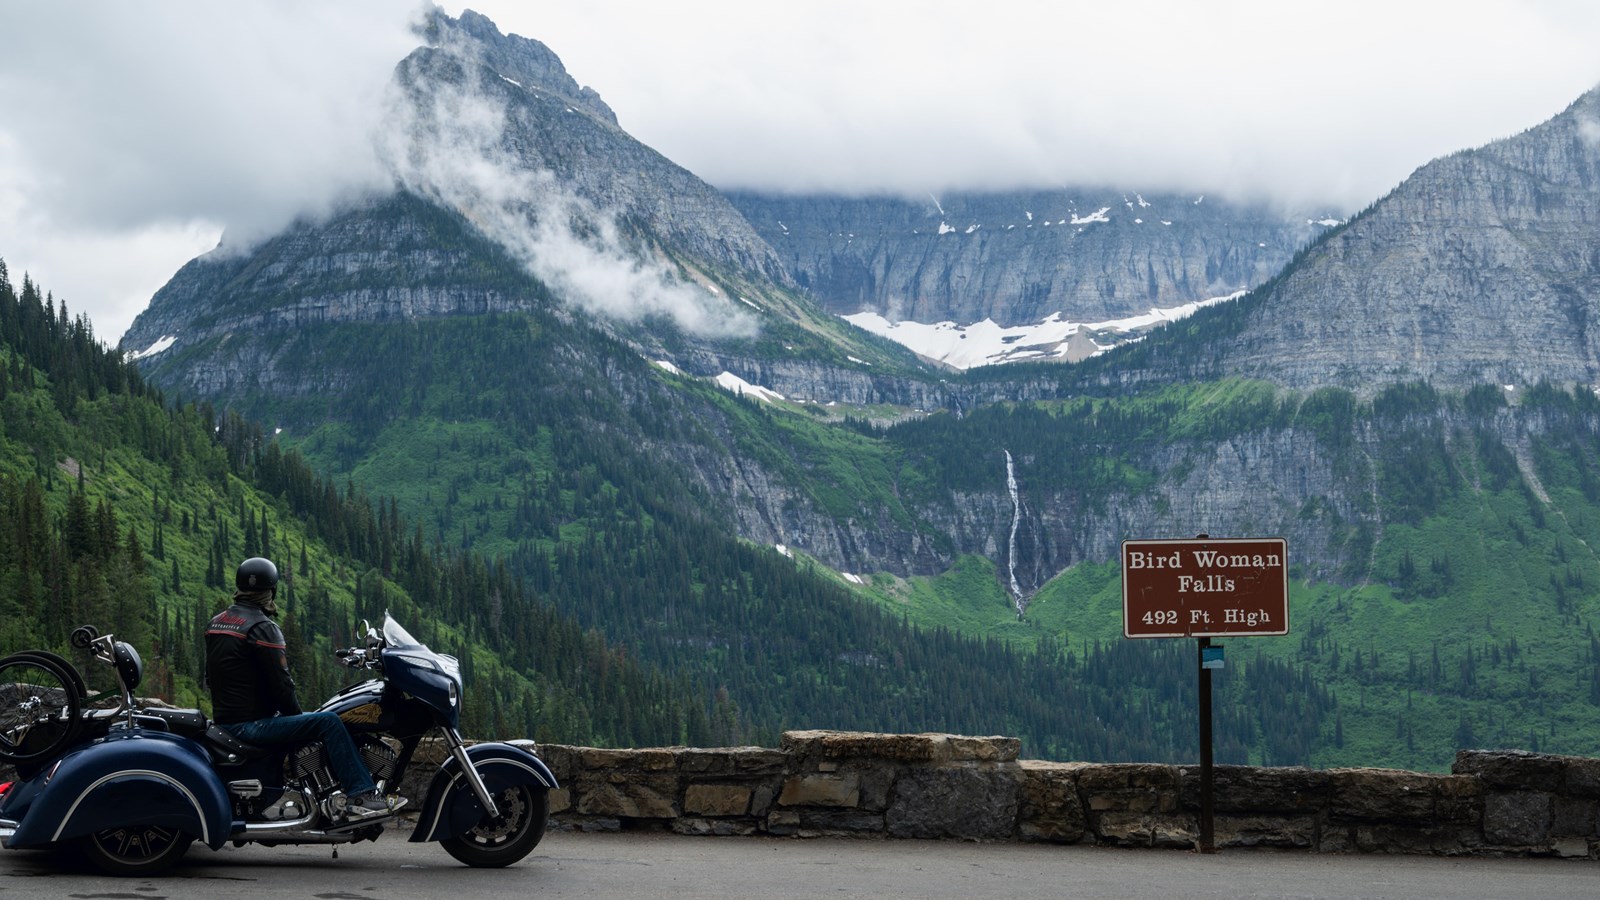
{"x":122,"y":511}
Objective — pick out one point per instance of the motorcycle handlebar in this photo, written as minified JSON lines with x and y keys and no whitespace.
{"x":355,"y":657}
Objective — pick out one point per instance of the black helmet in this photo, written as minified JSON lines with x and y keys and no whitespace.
{"x":257,"y":574}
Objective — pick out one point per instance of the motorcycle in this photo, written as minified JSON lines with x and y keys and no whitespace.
{"x":133,"y":785}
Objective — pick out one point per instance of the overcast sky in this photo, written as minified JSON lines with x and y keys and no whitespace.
{"x":131,"y":135}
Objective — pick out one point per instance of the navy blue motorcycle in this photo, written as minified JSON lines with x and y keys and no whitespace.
{"x":133,"y":785}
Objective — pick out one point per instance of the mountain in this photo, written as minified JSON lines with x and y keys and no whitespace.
{"x":553,"y":347}
{"x":1479,"y":268}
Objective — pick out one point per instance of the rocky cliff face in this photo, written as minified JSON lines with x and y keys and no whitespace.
{"x":1092,"y":255}
{"x":1277,"y":483}
{"x":1482,"y":267}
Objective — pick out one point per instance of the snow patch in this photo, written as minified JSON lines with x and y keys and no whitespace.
{"x":1327,"y":223}
{"x":853,"y":579}
{"x":987,"y":343}
{"x":784,"y":550}
{"x":733,"y":383}
{"x":518,"y":84}
{"x":945,"y":228}
{"x":161,"y":345}
{"x":1098,"y":215}
{"x":665,"y":364}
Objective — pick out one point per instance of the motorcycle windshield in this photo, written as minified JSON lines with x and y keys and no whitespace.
{"x":396,"y":637}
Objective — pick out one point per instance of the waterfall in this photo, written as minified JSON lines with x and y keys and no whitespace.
{"x":1016,"y":522}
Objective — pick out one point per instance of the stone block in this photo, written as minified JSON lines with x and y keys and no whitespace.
{"x":697,"y":827}
{"x":1575,"y":817}
{"x":1048,"y":806}
{"x":1118,"y":777}
{"x":560,"y":800}
{"x":1419,"y":839}
{"x":651,"y":760}
{"x":1249,"y":789}
{"x":821,"y":790}
{"x":1384,"y":795}
{"x":1264,"y":831}
{"x":840,"y":821}
{"x":1516,"y":770}
{"x":783,"y":821}
{"x":953,"y":803}
{"x":1459,"y":801}
{"x":1136,"y":830}
{"x":876,"y":782}
{"x":560,"y":758}
{"x":814,"y":746}
{"x":731,"y":761}
{"x":1573,"y":848}
{"x":716,"y":800}
{"x":983,"y":749}
{"x":1582,"y":777}
{"x":1132,"y":788}
{"x":761,"y":797}
{"x":634,"y":797}
{"x":1517,"y":818}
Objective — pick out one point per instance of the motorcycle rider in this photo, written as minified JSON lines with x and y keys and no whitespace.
{"x":253,"y":695}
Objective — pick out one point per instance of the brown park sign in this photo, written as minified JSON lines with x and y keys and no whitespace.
{"x":1205,"y":588}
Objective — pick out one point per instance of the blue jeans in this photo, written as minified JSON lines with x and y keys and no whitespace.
{"x":308,"y":727}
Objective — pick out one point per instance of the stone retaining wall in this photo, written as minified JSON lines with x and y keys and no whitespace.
{"x":944,"y":786}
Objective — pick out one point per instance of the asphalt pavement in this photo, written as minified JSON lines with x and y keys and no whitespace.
{"x":591,"y":866}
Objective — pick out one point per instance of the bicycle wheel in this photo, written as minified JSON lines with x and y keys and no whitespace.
{"x":40,"y":703}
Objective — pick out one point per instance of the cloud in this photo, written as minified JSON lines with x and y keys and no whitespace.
{"x":449,"y":142}
{"x":247,"y":113}
{"x":133,"y":134}
{"x":1301,"y":103}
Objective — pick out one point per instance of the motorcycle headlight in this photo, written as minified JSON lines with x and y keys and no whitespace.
{"x":455,"y":692}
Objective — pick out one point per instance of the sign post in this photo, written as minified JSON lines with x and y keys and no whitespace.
{"x":1205,"y":588}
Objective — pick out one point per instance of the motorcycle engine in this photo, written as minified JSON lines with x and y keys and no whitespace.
{"x":380,"y":759}
{"x":310,"y":767}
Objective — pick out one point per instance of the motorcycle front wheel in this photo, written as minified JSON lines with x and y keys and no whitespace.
{"x":136,"y":849}
{"x":502,"y":840}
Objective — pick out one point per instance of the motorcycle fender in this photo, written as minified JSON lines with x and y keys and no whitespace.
{"x":135,"y":778}
{"x":452,"y":808}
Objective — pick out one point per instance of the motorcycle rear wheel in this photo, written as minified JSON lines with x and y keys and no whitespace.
{"x":136,"y":849}
{"x":502,"y":840}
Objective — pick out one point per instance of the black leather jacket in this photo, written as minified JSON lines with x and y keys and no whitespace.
{"x":247,"y":667}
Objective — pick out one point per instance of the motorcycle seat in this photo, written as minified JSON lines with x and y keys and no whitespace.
{"x":227,"y":750}
{"x":187,"y":722}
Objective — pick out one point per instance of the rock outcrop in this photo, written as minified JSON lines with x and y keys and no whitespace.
{"x":1091,"y":255}
{"x":1481,"y":267}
